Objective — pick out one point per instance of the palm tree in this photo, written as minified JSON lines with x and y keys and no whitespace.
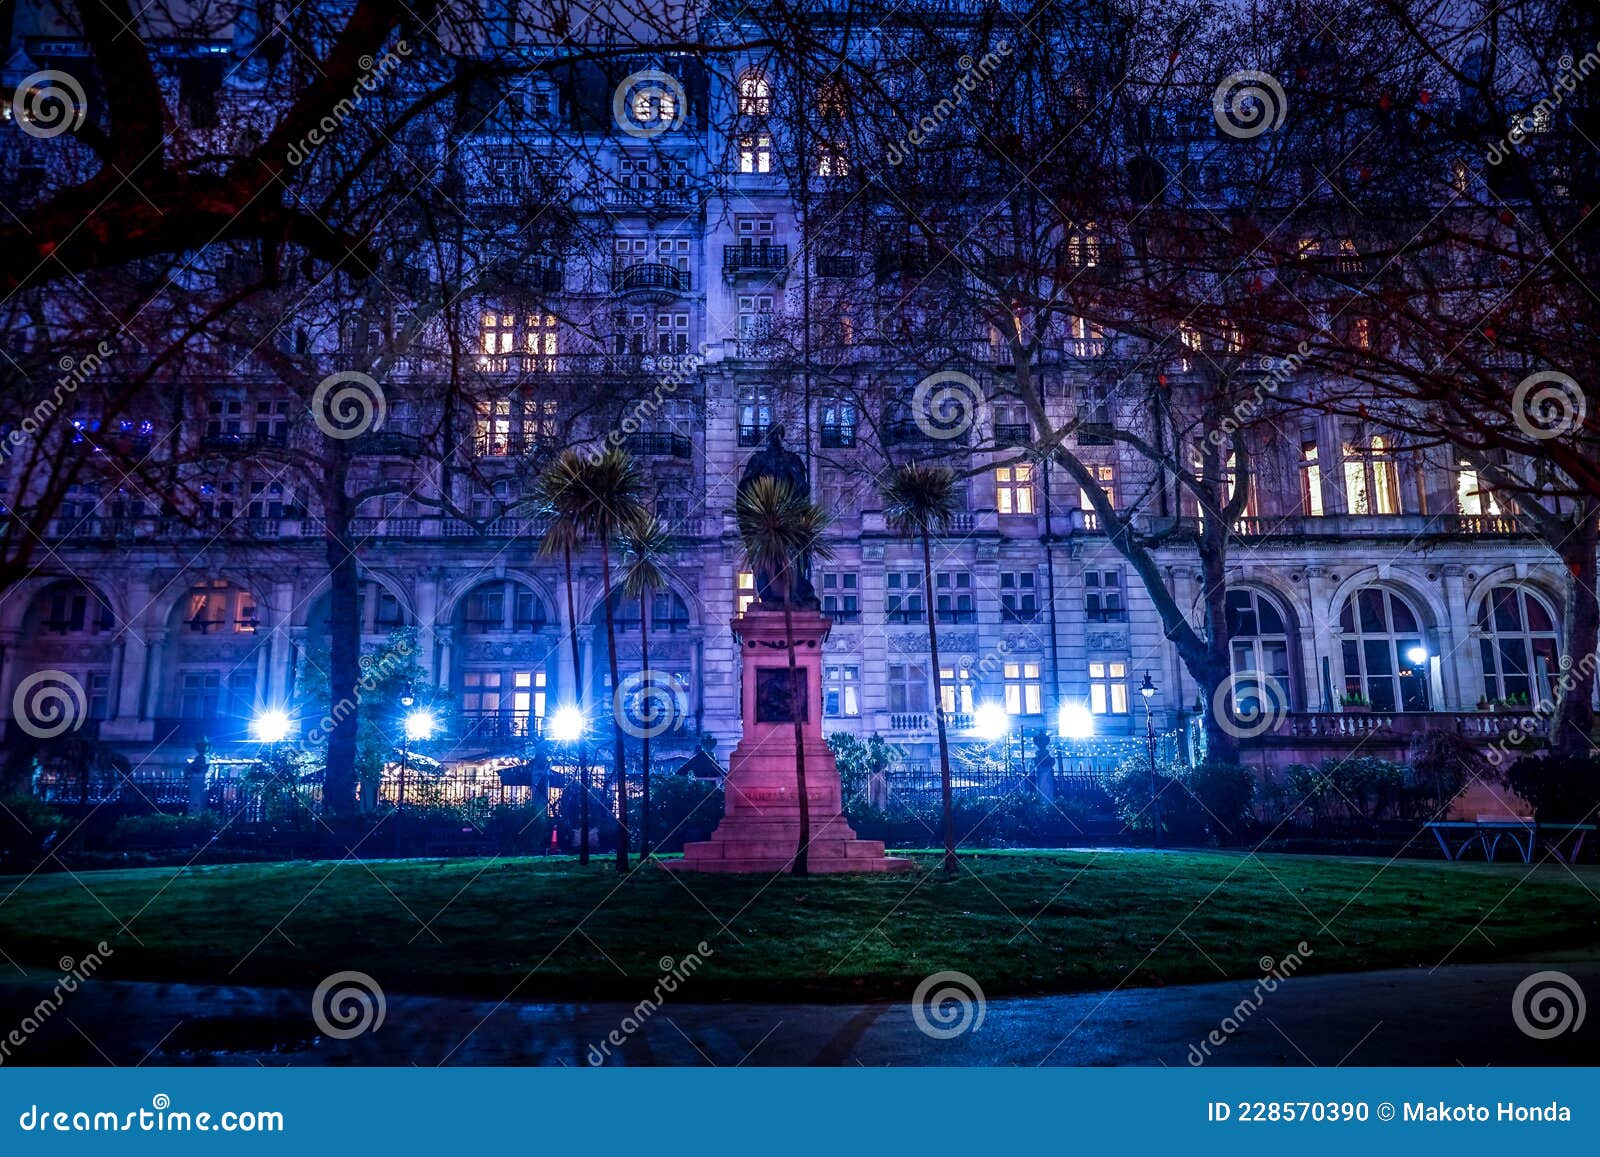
{"x":645,"y":542}
{"x":778,"y":527}
{"x":610,"y":495}
{"x":921,"y":502}
{"x":558,"y":499}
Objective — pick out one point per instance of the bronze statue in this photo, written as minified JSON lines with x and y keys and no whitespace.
{"x":774,"y":461}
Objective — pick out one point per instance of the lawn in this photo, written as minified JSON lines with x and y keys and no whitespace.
{"x":1017,"y":922}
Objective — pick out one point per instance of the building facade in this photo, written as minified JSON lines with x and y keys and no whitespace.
{"x":1376,"y":591}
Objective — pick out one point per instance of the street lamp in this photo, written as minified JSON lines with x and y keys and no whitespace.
{"x":1417,"y":655}
{"x":271,"y":726}
{"x":567,"y":725}
{"x":1148,"y":690}
{"x":991,"y":721}
{"x":1076,"y":722}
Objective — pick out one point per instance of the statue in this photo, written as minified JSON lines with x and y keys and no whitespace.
{"x":773,"y":461}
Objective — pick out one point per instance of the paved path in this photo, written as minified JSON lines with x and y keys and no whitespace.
{"x":1456,"y":1015}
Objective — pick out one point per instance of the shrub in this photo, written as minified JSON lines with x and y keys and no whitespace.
{"x":1442,"y":763}
{"x":1130,"y":789}
{"x":1225,"y":793}
{"x":1561,"y":788}
{"x":159,"y":830}
{"x":683,"y":809}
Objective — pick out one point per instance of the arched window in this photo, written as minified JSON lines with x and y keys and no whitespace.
{"x":668,"y":613}
{"x":1385,"y":658}
{"x":501,"y":607}
{"x":70,"y":608}
{"x":1260,"y":639}
{"x":755,"y":95}
{"x":1517,"y":644}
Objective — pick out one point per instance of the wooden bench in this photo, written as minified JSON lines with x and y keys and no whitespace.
{"x":1523,"y":833}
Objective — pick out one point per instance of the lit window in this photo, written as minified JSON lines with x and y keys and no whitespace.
{"x":1473,"y":495}
{"x":1310,"y":480}
{"x":499,"y":331}
{"x":1013,"y":489}
{"x":755,"y":95}
{"x":1385,"y":658}
{"x":755,"y":153}
{"x":1106,"y":477}
{"x":1024,"y":691}
{"x":1108,"y":688}
{"x":1371,"y":477}
{"x":956,"y":692}
{"x":841,"y":691}
{"x":655,"y":105}
{"x":747,"y":590}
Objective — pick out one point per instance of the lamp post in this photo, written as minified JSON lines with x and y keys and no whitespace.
{"x":417,"y":726}
{"x":271,"y":727}
{"x":1148,"y":690}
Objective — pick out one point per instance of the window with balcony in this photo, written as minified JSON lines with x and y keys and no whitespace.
{"x":1023,"y":690}
{"x":1259,"y":634}
{"x":957,"y":690}
{"x":1385,"y":658}
{"x":1519,"y":646}
{"x":953,"y":598}
{"x":672,"y":332}
{"x":755,"y":415}
{"x":1013,"y":489}
{"x":903,"y":596}
{"x":1371,"y":476}
{"x":1102,"y":596}
{"x":908,"y":687}
{"x":839,"y":421}
{"x":1083,"y":245}
{"x":840,"y":596}
{"x":1088,"y":340}
{"x":1019,"y":600}
{"x":1108,"y":688}
{"x":841,"y":690}
{"x":1105,"y":476}
{"x":1473,"y":495}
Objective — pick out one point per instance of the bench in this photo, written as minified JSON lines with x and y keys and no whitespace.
{"x":1524,"y":835}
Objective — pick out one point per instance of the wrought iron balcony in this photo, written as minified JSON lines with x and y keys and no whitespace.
{"x":658,"y":444}
{"x":738,"y":259}
{"x":753,"y":435}
{"x":838,"y":437}
{"x":836,"y":265}
{"x":650,"y":280}
{"x":1013,"y":433}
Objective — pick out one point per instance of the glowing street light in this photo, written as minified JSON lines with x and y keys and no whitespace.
{"x":420,"y":724}
{"x":1417,"y":655}
{"x":1076,"y":722}
{"x":567,"y":725}
{"x":991,"y":721}
{"x":272,"y":726}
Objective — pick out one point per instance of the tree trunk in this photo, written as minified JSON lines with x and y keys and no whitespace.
{"x":618,"y":754}
{"x":1216,"y":667}
{"x":577,"y":702}
{"x":1574,"y":720}
{"x":938,"y":713}
{"x":644,"y":742}
{"x":344,"y":650}
{"x":798,"y":705}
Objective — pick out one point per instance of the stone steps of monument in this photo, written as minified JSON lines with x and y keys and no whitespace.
{"x":815,"y":865}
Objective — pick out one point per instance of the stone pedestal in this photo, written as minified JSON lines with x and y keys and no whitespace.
{"x":760,"y":828}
